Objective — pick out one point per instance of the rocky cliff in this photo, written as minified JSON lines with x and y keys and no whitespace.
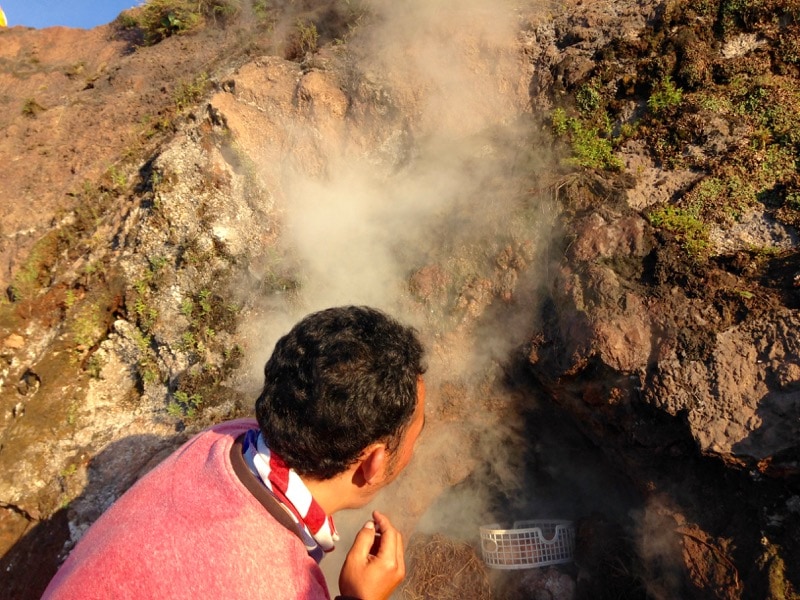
{"x":588,"y":210}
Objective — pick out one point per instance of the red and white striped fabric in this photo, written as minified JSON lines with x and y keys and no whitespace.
{"x":286,"y":485}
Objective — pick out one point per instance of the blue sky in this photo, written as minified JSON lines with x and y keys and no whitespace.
{"x":72,"y":13}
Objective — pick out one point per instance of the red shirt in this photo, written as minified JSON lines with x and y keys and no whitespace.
{"x":190,"y":529}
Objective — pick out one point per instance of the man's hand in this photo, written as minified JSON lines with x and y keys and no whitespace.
{"x":373,"y":576}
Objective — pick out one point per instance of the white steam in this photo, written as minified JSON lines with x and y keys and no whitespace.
{"x":454,"y":72}
{"x":429,"y":168}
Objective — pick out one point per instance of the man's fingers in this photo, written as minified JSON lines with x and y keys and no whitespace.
{"x":391,"y":541}
{"x":363,"y":541}
{"x":376,"y":576}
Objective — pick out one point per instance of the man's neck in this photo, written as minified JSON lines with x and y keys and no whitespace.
{"x":332,"y":494}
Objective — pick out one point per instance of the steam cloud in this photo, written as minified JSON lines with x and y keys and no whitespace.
{"x":433,"y":172}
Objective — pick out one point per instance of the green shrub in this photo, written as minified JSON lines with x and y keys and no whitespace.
{"x":714,"y":103}
{"x":221,"y":10}
{"x":163,"y":18}
{"x":117,"y":178}
{"x":304,"y":39}
{"x":665,"y":96}
{"x":88,"y":326}
{"x":590,"y":149}
{"x":34,"y":273}
{"x":736,"y":15}
{"x":588,"y":99}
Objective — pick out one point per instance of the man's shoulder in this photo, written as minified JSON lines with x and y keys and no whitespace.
{"x":150,"y":539}
{"x":234,"y":427}
{"x":216,"y":440}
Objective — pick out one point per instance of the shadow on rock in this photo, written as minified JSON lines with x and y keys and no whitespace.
{"x":775,"y":443}
{"x":33,"y":561}
{"x":773,"y":448}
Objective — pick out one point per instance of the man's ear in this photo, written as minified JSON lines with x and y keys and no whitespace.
{"x":374,"y":463}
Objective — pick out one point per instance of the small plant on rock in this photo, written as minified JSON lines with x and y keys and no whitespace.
{"x":590,"y":149}
{"x":189,"y":93}
{"x":303,"y":40}
{"x":665,"y":95}
{"x":184,"y":405}
{"x":686,"y":225}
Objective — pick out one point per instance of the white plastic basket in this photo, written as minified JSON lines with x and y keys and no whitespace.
{"x":528,"y":544}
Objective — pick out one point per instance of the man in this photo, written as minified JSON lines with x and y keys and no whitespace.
{"x":243,"y":510}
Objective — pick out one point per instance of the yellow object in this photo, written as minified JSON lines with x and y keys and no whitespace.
{"x":3,"y":21}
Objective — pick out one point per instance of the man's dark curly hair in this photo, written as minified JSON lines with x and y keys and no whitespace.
{"x":340,"y":380}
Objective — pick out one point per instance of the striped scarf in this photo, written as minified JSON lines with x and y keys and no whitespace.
{"x":319,"y":532}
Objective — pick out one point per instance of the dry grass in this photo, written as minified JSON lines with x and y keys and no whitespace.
{"x":443,"y":569}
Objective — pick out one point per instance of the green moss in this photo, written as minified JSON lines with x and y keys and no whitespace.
{"x":686,"y":225}
{"x":592,"y":151}
{"x":88,"y":325}
{"x":714,"y":102}
{"x":774,"y":105}
{"x":779,"y":161}
{"x":793,"y":200}
{"x":733,"y":191}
